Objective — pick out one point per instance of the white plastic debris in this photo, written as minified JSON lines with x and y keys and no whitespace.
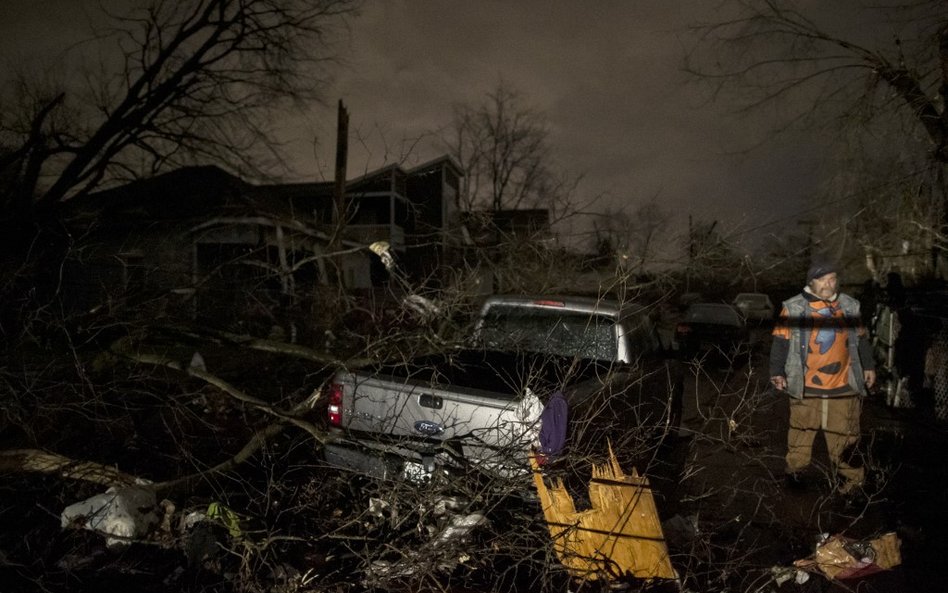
{"x":528,"y":415}
{"x":782,"y":574}
{"x":442,"y":556}
{"x":120,"y":514}
{"x":446,"y":504}
{"x":459,"y":527}
{"x":378,"y":507}
{"x":192,"y":519}
{"x":425,"y":308}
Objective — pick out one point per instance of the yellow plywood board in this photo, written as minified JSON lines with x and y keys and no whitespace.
{"x":619,"y":535}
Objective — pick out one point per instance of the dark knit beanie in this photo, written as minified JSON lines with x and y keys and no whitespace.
{"x":820,"y":268}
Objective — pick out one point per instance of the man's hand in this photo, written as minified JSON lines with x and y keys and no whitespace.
{"x":780,"y":382}
{"x":870,"y":377}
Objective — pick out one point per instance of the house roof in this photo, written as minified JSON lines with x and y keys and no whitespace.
{"x":445,"y":160}
{"x":182,"y":193}
{"x":198,"y":192}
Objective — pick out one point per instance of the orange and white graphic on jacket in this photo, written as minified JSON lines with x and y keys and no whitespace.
{"x":827,"y":360}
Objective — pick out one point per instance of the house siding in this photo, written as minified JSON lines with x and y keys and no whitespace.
{"x":198,"y":241}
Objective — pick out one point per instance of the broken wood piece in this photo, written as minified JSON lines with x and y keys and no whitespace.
{"x":619,"y":535}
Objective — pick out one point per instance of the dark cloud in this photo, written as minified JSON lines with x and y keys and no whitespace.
{"x":608,"y":77}
{"x":606,"y":74}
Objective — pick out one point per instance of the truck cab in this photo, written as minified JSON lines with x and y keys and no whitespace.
{"x":583,"y":327}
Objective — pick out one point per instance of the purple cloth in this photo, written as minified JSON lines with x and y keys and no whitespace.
{"x":553,"y":425}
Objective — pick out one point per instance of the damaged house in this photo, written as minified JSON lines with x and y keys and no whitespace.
{"x":203,"y":243}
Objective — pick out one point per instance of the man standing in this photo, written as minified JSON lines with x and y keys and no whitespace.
{"x":822,"y":357}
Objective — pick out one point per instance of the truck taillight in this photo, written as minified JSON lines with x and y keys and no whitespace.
{"x":683,"y":328}
{"x":335,"y":404}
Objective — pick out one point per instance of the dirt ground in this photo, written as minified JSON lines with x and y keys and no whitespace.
{"x":733,"y":483}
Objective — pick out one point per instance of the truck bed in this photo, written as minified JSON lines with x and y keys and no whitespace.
{"x":487,"y":373}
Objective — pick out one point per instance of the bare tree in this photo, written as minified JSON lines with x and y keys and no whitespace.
{"x":159,"y":86}
{"x":503,"y":147}
{"x":650,"y":221}
{"x":179,"y":82}
{"x":890,"y":71}
{"x":786,"y":53}
{"x":712,"y":255}
{"x":634,"y":234}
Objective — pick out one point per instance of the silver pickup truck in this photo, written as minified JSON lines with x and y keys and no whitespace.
{"x":480,"y":407}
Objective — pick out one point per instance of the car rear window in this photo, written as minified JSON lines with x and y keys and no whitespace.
{"x":550,"y":332}
{"x":757,"y":300}
{"x":712,"y":314}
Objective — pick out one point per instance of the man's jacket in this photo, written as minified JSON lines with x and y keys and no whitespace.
{"x":791,"y":359}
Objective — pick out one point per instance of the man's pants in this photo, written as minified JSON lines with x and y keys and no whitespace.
{"x":838,"y":418}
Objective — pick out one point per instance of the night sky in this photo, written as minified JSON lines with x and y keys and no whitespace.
{"x":606,"y":74}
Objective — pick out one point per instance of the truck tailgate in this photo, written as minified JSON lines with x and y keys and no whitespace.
{"x":401,"y":406}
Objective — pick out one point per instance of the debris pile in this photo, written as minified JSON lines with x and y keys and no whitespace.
{"x":841,"y":558}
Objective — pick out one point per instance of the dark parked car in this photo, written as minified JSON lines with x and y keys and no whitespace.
{"x":755,"y":306}
{"x":712,"y":329}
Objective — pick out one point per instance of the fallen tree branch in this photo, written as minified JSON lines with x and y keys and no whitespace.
{"x":258,"y":440}
{"x":34,"y":460}
{"x":120,"y":348}
{"x":273,"y":346}
{"x":37,"y":461}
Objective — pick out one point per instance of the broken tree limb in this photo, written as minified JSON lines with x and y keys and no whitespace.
{"x":35,"y":460}
{"x":255,"y":443}
{"x":120,"y":348}
{"x":296,"y":350}
{"x":272,"y":346}
{"x":259,"y":438}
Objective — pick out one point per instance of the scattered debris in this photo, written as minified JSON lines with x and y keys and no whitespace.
{"x":459,"y":528}
{"x":782,"y":574}
{"x":197,"y":362}
{"x":444,"y":550}
{"x":379,"y":507}
{"x":226,"y":517}
{"x":621,"y":533}
{"x":840,"y":558}
{"x":203,"y":537}
{"x":421,"y":306}
{"x":381,"y":249}
{"x":121,"y":514}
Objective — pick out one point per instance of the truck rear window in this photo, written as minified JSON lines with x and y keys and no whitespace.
{"x":549,"y":332}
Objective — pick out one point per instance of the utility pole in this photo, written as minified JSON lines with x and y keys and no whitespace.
{"x":340,"y":205}
{"x":691,"y":254}
{"x":329,"y":306}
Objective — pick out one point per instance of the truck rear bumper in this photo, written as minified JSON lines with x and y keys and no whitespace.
{"x":384,"y":461}
{"x":388,"y":461}
{"x":353,"y":459}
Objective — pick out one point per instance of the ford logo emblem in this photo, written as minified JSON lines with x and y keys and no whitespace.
{"x":427,"y":427}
